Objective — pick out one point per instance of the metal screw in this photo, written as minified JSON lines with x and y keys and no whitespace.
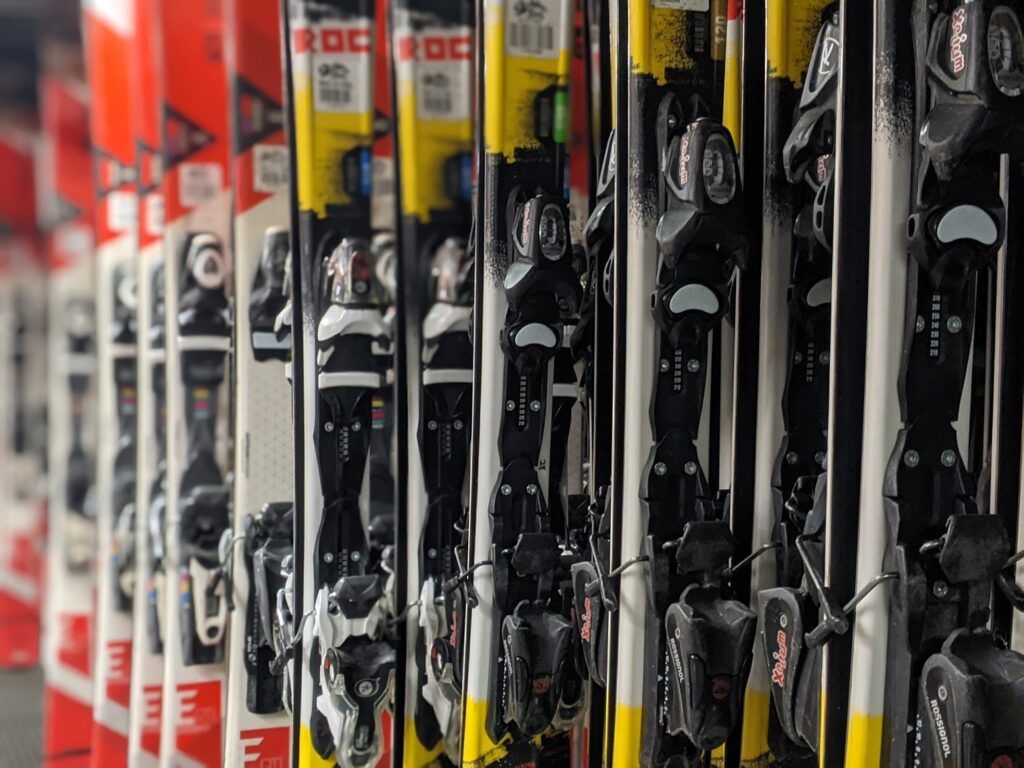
{"x":357,"y":426}
{"x":911,"y":458}
{"x":663,"y":366}
{"x":510,"y":405}
{"x":431,"y":425}
{"x":940,"y":589}
{"x":824,"y":358}
{"x":431,"y":553}
{"x":948,"y":457}
{"x":531,"y":489}
{"x":329,"y":426}
{"x":355,"y":557}
{"x":955,"y":324}
{"x":792,"y":457}
{"x":535,"y":405}
{"x":458,"y":424}
{"x":693,"y":365}
{"x":919,"y":324}
{"x":506,"y":489}
{"x":672,"y":121}
{"x":328,"y":557}
{"x":660,"y":469}
{"x":690,"y":468}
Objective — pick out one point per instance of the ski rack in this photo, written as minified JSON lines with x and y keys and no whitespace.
{"x":527,"y":297}
{"x":346,"y":589}
{"x":434,"y":131}
{"x":948,"y":549}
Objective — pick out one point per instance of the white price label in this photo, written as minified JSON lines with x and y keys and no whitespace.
{"x":198,"y":183}
{"x":121,"y":211}
{"x":270,"y":168}
{"x":533,"y":28}
{"x":342,"y":68}
{"x":443,"y":65}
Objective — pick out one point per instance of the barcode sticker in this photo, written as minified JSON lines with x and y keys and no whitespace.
{"x":270,"y":168}
{"x":341,"y":69}
{"x":702,"y":6}
{"x":443,"y":68}
{"x":198,"y":183}
{"x":534,"y":28}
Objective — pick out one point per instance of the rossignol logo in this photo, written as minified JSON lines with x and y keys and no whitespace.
{"x":673,"y":649}
{"x":587,"y":618}
{"x":332,"y":39}
{"x":435,"y":47}
{"x":940,"y":725}
{"x":957,"y":38}
{"x":781,"y":654}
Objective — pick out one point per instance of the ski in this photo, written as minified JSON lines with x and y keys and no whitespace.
{"x":258,"y":723}
{"x":680,"y":525}
{"x":67,"y":219}
{"x":527,"y":287}
{"x":197,"y":340}
{"x":150,"y":578}
{"x":108,"y":38}
{"x":434,"y":94}
{"x":949,"y":522}
{"x":23,"y":410}
{"x":344,"y":281}
{"x":796,"y":322}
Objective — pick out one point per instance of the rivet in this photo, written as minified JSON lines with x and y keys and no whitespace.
{"x":911,"y":458}
{"x":690,"y":468}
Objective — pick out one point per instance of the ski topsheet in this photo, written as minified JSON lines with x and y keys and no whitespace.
{"x":67,"y":218}
{"x":344,"y":272}
{"x":522,"y":689}
{"x":108,"y":32}
{"x":146,"y":694}
{"x":257,"y":722}
{"x":433,"y":65}
{"x":197,"y":340}
{"x":23,"y":407}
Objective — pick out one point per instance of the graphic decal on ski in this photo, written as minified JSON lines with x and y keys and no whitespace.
{"x":197,"y":339}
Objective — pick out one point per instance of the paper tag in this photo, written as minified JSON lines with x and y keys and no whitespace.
{"x":342,"y":68}
{"x":684,"y":5}
{"x":443,"y":90}
{"x":121,"y":211}
{"x":270,"y":168}
{"x":198,"y":183}
{"x":534,"y":28}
